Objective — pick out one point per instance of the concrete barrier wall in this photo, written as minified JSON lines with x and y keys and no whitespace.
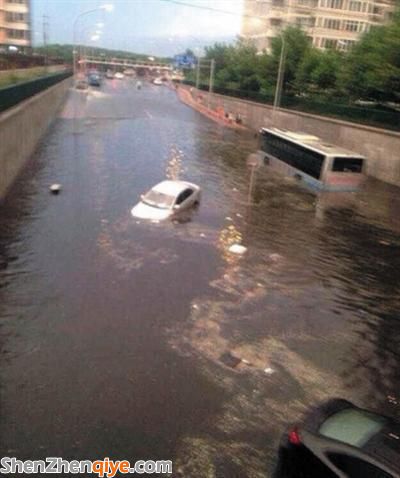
{"x":22,"y":127}
{"x":381,"y":147}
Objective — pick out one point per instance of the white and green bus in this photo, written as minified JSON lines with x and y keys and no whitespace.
{"x":319,"y":165}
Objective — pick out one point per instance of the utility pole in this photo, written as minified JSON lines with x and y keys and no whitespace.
{"x":211,"y":83}
{"x":198,"y":73}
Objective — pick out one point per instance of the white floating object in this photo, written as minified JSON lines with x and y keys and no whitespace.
{"x":55,"y":188}
{"x":237,"y":249}
{"x":269,"y":371}
{"x":195,"y":307}
{"x":275,"y":257}
{"x":228,"y":218}
{"x":202,"y":234}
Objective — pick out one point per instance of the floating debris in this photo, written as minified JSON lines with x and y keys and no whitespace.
{"x":202,"y":234}
{"x":228,"y":218}
{"x":269,"y":371}
{"x":384,"y":243}
{"x":238,"y":214}
{"x":230,"y":360}
{"x":195,"y":307}
{"x":55,"y":188}
{"x":275,"y":257}
{"x":246,"y":362}
{"x":237,"y":249}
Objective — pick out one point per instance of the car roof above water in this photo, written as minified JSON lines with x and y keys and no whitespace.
{"x":172,"y":188}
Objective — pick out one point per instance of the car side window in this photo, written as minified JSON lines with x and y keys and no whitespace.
{"x":183,"y":196}
{"x":356,"y":467}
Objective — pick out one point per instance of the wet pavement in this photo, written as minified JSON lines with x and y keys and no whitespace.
{"x":131,"y":340}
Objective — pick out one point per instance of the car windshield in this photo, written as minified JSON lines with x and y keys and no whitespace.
{"x":158,"y":199}
{"x":354,"y":427}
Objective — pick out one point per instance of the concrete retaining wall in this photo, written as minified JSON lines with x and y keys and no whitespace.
{"x":381,"y":147}
{"x":22,"y":127}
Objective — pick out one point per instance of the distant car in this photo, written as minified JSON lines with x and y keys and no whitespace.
{"x":167,"y":199}
{"x":158,"y":81}
{"x":81,"y":84}
{"x":119,"y":76}
{"x":94,"y":80}
{"x":339,"y":439}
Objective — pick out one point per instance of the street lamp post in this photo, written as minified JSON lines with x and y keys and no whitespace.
{"x":107,"y":7}
{"x":211,"y":83}
{"x":83,"y":49}
{"x":281,"y":72}
{"x":198,"y":73}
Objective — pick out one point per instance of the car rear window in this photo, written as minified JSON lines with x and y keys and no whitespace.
{"x":354,"y":427}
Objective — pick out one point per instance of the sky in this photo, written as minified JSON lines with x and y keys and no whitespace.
{"x":154,"y":27}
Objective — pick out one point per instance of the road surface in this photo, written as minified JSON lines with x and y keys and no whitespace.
{"x":117,"y":336}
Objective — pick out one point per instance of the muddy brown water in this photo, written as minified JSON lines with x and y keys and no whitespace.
{"x":112,"y":330}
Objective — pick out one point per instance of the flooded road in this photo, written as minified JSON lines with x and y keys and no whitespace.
{"x":118,"y":338}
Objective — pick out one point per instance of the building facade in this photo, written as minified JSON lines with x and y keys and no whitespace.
{"x":15,"y":25}
{"x":328,"y":23}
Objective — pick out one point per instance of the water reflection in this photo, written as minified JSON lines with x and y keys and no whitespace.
{"x":175,"y":170}
{"x":112,"y":330}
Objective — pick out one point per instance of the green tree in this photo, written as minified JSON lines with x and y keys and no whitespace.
{"x":310,"y":62}
{"x":372,"y":67}
{"x":235,"y":65}
{"x":324,"y":76}
{"x":297,"y":46}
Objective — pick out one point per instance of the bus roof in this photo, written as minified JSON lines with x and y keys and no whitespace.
{"x":312,"y":142}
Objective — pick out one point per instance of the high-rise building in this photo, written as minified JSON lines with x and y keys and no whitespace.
{"x":15,"y":25}
{"x":328,"y":23}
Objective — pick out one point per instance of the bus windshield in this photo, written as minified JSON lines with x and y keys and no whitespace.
{"x":347,"y":165}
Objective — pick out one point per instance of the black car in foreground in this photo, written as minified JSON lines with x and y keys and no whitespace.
{"x":338,"y":439}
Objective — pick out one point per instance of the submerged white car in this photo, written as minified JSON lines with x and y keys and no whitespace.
{"x":166,"y":199}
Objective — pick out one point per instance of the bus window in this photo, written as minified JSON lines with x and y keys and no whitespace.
{"x":293,"y":154}
{"x":347,"y":165}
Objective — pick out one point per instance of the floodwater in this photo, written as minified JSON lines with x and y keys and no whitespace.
{"x":121,"y":338}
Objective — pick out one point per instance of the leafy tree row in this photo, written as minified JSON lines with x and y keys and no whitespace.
{"x":65,"y":53}
{"x":369,"y":71}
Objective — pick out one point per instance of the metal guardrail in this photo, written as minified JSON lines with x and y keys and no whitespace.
{"x":12,"y":95}
{"x":376,"y":117}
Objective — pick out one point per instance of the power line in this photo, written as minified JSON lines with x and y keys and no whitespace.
{"x":212,"y":9}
